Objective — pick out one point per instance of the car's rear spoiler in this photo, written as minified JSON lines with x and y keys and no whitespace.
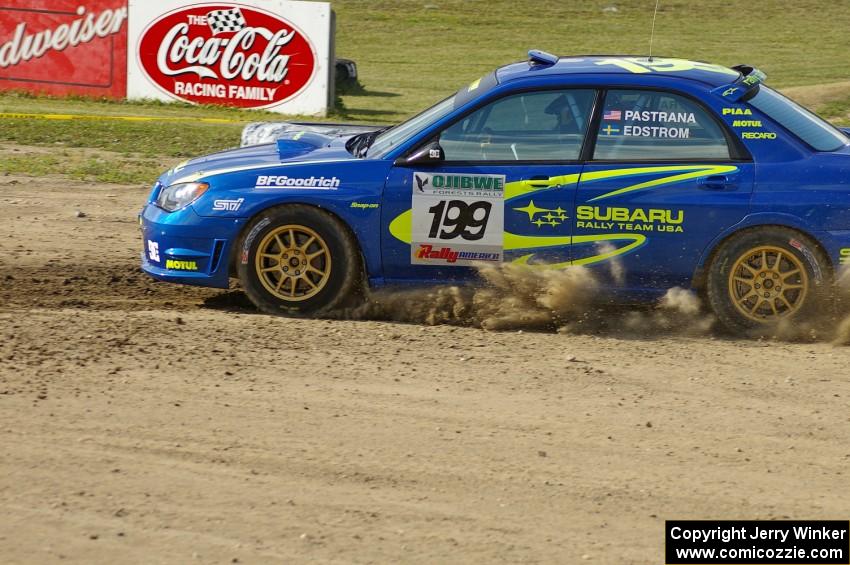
{"x":744,"y":86}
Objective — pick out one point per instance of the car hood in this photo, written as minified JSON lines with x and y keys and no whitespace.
{"x":292,"y":147}
{"x":258,"y":133}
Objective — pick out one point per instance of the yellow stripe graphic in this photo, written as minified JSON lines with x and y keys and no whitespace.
{"x":636,"y":241}
{"x":688,"y":172}
{"x":101,"y":118}
{"x":402,"y":228}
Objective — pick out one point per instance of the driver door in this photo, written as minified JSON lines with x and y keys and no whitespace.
{"x":500,"y":187}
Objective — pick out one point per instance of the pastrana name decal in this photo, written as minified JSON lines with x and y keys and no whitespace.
{"x":666,"y":117}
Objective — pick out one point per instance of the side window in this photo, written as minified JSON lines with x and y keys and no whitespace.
{"x":533,"y":126}
{"x":642,"y":125}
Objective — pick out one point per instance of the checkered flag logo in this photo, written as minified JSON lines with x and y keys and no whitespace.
{"x":226,"y":21}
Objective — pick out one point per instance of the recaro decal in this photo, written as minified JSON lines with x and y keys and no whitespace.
{"x":767,"y":135}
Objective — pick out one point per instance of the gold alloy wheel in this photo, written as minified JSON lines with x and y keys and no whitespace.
{"x":293,"y":262}
{"x":768,"y":283}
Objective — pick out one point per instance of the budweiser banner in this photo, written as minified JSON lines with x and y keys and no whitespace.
{"x":63,"y":47}
{"x":271,"y":54}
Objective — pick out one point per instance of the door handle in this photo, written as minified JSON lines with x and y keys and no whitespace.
{"x":717,"y":182}
{"x":540,"y":181}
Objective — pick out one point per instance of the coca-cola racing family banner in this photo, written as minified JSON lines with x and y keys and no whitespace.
{"x":271,"y":54}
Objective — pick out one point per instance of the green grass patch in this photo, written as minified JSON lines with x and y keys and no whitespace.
{"x":411,"y":54}
{"x":837,"y":111}
{"x":106,"y":169}
{"x":171,"y":139}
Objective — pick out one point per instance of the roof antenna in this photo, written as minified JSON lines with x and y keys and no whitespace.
{"x":652,"y":34}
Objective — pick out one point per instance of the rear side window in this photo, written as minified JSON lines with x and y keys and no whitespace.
{"x":799,"y":121}
{"x":532,"y":126}
{"x":643,"y":125}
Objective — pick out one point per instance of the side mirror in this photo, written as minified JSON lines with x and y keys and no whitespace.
{"x":428,"y":154}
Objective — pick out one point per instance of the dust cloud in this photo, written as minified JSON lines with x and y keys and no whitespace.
{"x":519,"y":297}
{"x":511,"y":297}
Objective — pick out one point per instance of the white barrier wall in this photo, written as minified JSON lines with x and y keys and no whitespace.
{"x":270,"y":54}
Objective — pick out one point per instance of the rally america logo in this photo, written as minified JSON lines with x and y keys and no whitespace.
{"x":227,"y":54}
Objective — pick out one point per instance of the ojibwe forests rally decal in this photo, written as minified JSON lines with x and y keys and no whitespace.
{"x":227,"y":54}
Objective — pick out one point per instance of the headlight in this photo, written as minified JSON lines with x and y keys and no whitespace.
{"x":178,"y":196}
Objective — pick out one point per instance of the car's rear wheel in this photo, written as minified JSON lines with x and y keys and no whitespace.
{"x":765,"y":276}
{"x":298,"y":259}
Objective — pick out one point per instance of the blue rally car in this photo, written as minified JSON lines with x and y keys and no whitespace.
{"x":685,"y":173}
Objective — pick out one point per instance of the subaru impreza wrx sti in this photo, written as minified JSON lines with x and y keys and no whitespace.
{"x":684,"y":173}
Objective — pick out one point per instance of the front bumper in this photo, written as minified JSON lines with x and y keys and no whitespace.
{"x":183,"y":247}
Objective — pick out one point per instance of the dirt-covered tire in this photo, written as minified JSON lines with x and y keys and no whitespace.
{"x":765,"y":276}
{"x":298,"y":259}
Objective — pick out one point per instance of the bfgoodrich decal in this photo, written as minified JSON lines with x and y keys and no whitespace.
{"x":283,"y":181}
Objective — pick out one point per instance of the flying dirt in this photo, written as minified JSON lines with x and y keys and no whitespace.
{"x":518,"y":421}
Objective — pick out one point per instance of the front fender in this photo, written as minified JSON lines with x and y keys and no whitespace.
{"x":352,"y":190}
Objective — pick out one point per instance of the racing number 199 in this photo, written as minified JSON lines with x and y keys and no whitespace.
{"x":459,"y":218}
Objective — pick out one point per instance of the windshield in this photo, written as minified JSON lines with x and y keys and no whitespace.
{"x":400,"y":133}
{"x":392,"y":137}
{"x":802,"y":123}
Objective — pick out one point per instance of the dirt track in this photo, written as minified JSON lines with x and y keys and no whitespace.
{"x":144,"y":422}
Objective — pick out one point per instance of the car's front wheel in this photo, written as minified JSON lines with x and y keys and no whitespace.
{"x":298,"y":259}
{"x":764,"y":276}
